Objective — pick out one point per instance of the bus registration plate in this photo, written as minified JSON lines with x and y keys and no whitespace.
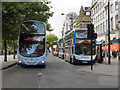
{"x":84,"y":61}
{"x":31,"y":63}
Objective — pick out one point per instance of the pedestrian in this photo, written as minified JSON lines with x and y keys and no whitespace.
{"x":2,"y":52}
{"x":115,"y":53}
{"x":119,"y":55}
{"x":103,"y":53}
{"x":9,"y":52}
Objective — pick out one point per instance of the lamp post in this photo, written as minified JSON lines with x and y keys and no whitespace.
{"x":109,"y":61}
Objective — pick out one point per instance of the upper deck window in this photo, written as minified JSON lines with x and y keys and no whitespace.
{"x":81,"y":34}
{"x":32,"y":28}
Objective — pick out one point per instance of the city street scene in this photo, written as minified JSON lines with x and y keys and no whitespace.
{"x":60,"y":44}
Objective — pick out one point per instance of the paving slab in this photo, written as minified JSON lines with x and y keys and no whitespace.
{"x":10,"y":62}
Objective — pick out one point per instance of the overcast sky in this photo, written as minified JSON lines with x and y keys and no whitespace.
{"x":64,"y":6}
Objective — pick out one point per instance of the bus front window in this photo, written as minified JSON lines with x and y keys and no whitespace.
{"x":32,"y":28}
{"x":84,"y":49}
{"x":31,"y":47}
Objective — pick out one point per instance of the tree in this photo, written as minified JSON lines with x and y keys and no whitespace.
{"x":51,"y":38}
{"x":13,"y":13}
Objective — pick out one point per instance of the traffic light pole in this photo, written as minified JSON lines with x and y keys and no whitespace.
{"x":109,"y":32}
{"x":91,"y":55}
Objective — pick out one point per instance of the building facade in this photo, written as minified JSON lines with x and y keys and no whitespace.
{"x":99,"y":16}
{"x":84,"y":18}
{"x":68,"y":23}
{"x":119,"y":20}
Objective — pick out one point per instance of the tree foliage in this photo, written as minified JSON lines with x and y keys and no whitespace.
{"x":13,"y":13}
{"x":51,"y":38}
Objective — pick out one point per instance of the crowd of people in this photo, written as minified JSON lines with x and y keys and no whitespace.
{"x":114,"y":54}
{"x":9,"y":52}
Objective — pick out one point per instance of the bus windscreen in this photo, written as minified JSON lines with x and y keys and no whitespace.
{"x":84,"y":47}
{"x":32,"y":46}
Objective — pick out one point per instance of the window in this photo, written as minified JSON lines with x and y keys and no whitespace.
{"x":106,"y":24}
{"x":103,"y":27}
{"x":32,"y":28}
{"x":106,"y":10}
{"x":66,"y":26}
{"x":94,"y":20}
{"x":103,"y":15}
{"x":111,"y":23}
{"x":116,"y":20}
{"x":98,"y":18}
{"x":116,"y":5}
{"x":98,"y":29}
{"x":112,"y":8}
{"x":100,"y":4}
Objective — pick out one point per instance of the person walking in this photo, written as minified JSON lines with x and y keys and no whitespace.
{"x":115,"y":53}
{"x":119,"y":54}
{"x":2,"y":52}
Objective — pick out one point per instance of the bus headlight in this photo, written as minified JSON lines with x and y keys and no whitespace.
{"x":19,"y":61}
{"x":42,"y":61}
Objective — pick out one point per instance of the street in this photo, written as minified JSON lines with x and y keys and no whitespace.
{"x":56,"y":74}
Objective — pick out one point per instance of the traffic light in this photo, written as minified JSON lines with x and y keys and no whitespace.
{"x":90,"y":33}
{"x":90,"y":30}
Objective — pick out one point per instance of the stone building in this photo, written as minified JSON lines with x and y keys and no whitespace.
{"x":68,"y":23}
{"x":84,"y":18}
{"x":99,"y":16}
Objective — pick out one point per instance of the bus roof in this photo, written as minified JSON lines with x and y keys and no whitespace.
{"x":76,"y":30}
{"x":80,"y":29}
{"x":33,"y":21}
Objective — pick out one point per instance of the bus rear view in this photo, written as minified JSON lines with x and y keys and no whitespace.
{"x":32,"y":43}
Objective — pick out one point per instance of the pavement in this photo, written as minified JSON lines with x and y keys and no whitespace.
{"x":56,"y":74}
{"x":10,"y":61}
{"x":103,"y":68}
{"x":98,"y":68}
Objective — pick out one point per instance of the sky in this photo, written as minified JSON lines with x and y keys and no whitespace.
{"x":64,"y":6}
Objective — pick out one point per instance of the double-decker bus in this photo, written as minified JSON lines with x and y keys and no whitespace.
{"x":32,"y":43}
{"x":78,"y":47}
{"x":61,"y":48}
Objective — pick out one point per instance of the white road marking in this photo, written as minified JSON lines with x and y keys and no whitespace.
{"x":39,"y":74}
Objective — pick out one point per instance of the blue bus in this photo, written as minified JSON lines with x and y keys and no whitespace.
{"x":78,"y":47}
{"x":32,"y":43}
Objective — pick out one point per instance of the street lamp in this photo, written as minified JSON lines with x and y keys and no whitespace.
{"x":109,"y":62}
